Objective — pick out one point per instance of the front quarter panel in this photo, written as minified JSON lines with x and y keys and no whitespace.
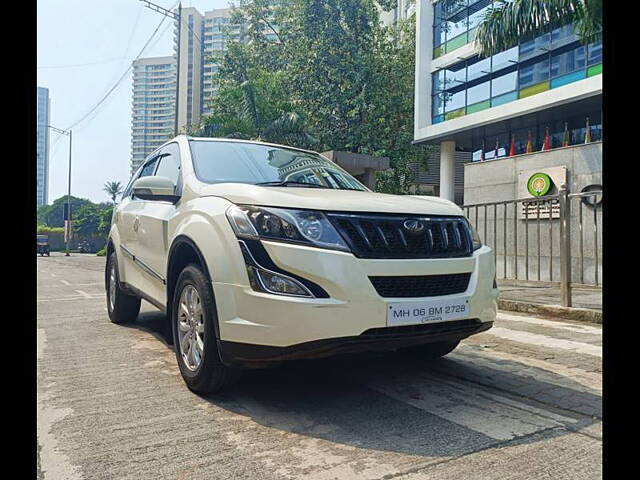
{"x":204,"y":222}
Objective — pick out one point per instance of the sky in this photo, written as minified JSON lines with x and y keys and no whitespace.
{"x":84,"y":47}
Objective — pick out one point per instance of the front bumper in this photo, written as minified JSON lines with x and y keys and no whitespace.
{"x":353,"y":307}
{"x":375,"y":339}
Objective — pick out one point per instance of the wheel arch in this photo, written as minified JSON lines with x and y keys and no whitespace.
{"x":184,"y":251}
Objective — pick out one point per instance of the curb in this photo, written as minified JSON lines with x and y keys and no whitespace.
{"x":570,"y":313}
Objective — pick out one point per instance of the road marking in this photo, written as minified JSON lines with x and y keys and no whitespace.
{"x":64,"y":282}
{"x":73,"y":297}
{"x":469,"y":406}
{"x":83,"y":293}
{"x":552,"y":323}
{"x":545,"y":341}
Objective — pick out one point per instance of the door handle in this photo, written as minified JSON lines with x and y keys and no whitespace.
{"x":136,"y":224}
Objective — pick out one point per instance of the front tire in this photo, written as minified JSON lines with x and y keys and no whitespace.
{"x":121,"y":306}
{"x":429,"y":351}
{"x":192,"y":317}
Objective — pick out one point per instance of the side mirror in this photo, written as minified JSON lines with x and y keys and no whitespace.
{"x":155,"y":188}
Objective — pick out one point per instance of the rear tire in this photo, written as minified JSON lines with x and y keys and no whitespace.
{"x":429,"y":351}
{"x":193,"y":319}
{"x":121,"y":306}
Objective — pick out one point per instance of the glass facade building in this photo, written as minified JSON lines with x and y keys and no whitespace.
{"x":217,"y":32}
{"x":466,"y":86}
{"x":153,"y":112}
{"x":551,"y":61}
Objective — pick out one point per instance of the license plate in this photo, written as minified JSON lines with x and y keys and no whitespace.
{"x":410,"y":313}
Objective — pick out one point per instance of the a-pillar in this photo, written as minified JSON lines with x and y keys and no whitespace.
{"x":447,"y":169}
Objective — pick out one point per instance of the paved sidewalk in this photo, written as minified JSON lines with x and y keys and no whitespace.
{"x":590,"y":298}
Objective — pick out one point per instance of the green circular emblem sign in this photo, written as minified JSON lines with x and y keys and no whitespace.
{"x":539,"y":184}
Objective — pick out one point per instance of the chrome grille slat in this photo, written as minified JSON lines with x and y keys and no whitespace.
{"x":387,"y":236}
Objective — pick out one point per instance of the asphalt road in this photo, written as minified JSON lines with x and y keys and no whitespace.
{"x":521,"y":401}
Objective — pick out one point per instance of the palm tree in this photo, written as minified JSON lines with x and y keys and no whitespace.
{"x":113,"y":189}
{"x":287,"y":129}
{"x":509,"y":22}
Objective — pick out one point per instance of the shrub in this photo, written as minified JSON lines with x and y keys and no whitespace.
{"x":46,"y":230}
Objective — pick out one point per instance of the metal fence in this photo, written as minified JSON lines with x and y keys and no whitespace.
{"x":555,"y":239}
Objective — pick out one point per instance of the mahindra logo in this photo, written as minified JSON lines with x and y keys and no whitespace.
{"x":414,"y":226}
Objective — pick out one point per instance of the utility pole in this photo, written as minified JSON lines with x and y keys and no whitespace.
{"x":68,"y":219}
{"x":178,"y":18}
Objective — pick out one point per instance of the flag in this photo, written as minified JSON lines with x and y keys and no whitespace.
{"x":546,"y":145}
{"x":512,"y":149}
{"x":529,"y":147}
{"x":587,"y":135}
{"x":565,"y":137}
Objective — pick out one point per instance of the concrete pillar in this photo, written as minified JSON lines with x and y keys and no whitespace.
{"x":447,"y":169}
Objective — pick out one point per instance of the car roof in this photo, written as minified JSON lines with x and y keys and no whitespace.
{"x":234,"y":140}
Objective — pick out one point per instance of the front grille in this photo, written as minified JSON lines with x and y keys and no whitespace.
{"x":421,"y":285}
{"x":387,"y":236}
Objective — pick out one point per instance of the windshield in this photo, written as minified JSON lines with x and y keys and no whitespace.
{"x":239,"y":162}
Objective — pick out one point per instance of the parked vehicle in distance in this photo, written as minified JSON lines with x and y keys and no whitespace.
{"x":42,"y":245}
{"x":86,"y":246}
{"x":262,"y":253}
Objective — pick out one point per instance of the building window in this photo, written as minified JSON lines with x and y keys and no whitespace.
{"x":567,"y":62}
{"x":479,"y":93}
{"x":455,"y":22}
{"x":505,"y":83}
{"x":467,"y":86}
{"x":534,"y":73}
{"x":594,"y":53}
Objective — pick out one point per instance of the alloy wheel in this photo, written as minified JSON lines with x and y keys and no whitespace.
{"x":190,"y":327}
{"x":112,"y":285}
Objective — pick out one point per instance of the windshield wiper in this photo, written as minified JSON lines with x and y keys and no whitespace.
{"x":288,"y":183}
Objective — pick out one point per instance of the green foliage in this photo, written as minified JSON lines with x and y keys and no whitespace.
{"x":89,"y":219}
{"x":330,"y":77}
{"x":510,"y":22}
{"x":86,"y":220}
{"x":102,"y":252}
{"x":104,"y":225}
{"x":52,"y":215}
{"x":46,"y":230}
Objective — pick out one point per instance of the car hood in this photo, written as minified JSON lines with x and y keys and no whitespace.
{"x":330,"y":200}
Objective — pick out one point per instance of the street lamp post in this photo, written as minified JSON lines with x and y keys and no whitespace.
{"x":68,"y":133}
{"x":178,"y":18}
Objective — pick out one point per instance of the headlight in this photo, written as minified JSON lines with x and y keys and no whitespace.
{"x":476,"y":242}
{"x":306,"y":227}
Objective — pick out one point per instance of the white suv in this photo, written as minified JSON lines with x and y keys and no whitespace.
{"x":260,"y":253}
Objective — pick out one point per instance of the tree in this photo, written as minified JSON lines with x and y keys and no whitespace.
{"x":104,"y":225}
{"x":113,"y":189}
{"x":53,"y":215}
{"x":86,"y":220}
{"x":330,"y":77}
{"x":514,"y":21}
{"x":251,"y":104}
